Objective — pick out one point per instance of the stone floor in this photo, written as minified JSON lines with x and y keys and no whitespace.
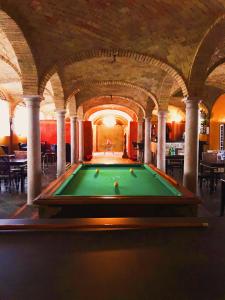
{"x":14,"y":204}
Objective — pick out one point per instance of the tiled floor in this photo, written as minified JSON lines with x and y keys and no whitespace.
{"x":111,"y":158}
{"x":14,"y":204}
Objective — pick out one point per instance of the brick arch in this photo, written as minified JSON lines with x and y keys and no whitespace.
{"x":206,"y":48}
{"x":114,"y":100}
{"x":117,"y":53}
{"x":214,"y":66}
{"x":80,"y":112}
{"x":205,"y":105}
{"x":85,"y":84}
{"x":165,"y":92}
{"x":93,"y":109}
{"x":58,"y":91}
{"x":13,"y":102}
{"x":23,"y":53}
{"x":14,"y":67}
{"x":3,"y":94}
{"x":72,"y":106}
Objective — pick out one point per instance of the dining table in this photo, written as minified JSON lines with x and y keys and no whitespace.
{"x":214,"y":167}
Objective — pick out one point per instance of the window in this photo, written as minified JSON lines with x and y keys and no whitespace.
{"x":20,"y":120}
{"x":4,"y":118}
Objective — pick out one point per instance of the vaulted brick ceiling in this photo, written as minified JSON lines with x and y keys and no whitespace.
{"x":217,"y":77}
{"x":170,"y":30}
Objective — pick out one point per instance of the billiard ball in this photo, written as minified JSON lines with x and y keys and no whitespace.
{"x":131,"y":170}
{"x":97,"y":170}
{"x":116,"y":183}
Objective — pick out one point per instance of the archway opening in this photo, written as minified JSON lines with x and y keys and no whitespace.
{"x":217,"y":125}
{"x":109,"y":128}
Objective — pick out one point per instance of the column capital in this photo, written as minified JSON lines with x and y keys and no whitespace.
{"x":32,"y":100}
{"x":192,"y":102}
{"x":147,"y":118}
{"x":60,"y":112}
{"x":73,"y":117}
{"x":162,"y":113}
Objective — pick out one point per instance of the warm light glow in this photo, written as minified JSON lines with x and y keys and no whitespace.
{"x":221,"y":120}
{"x":175,"y":117}
{"x":20,"y":121}
{"x":109,"y":112}
{"x":41,"y":116}
{"x":4,"y":117}
{"x":109,"y":121}
{"x":174,"y":114}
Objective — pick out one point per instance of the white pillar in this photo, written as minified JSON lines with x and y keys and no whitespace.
{"x":191,"y":145}
{"x":81,"y":141}
{"x":161,"y":145}
{"x":73,"y":126}
{"x":147,"y":151}
{"x":61,"y":146}
{"x":139,"y":139}
{"x":33,"y":148}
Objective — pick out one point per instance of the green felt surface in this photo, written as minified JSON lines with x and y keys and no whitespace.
{"x":142,"y":182}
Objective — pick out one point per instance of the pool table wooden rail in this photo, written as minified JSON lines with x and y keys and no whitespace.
{"x":95,"y":224}
{"x":48,"y":197}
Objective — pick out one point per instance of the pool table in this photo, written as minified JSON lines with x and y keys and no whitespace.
{"x":118,"y":190}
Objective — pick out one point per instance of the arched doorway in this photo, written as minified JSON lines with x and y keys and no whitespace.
{"x":109,"y":127}
{"x":217,"y":125}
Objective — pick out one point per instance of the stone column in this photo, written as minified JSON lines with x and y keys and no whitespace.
{"x":147,"y":150}
{"x":191,"y":145}
{"x":81,"y":141}
{"x":33,"y":148}
{"x":139,"y":139}
{"x":73,"y":136}
{"x":161,"y":145}
{"x":61,"y":146}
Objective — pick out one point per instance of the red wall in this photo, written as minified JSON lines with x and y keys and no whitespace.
{"x":132,"y":138}
{"x":177,"y":130}
{"x":49,"y":133}
{"x":88,"y":140}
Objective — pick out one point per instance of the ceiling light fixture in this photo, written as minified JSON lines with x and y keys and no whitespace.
{"x":114,"y":57}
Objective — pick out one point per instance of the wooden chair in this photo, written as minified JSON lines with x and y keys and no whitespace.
{"x":20,"y":154}
{"x":205,"y":173}
{"x":209,"y":156}
{"x":6,"y":174}
{"x":173,"y":164}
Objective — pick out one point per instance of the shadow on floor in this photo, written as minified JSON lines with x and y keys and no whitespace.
{"x":14,"y":204}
